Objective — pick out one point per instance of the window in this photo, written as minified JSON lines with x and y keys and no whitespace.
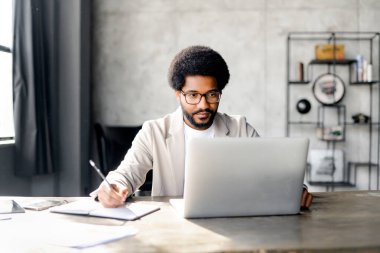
{"x":6,"y":94}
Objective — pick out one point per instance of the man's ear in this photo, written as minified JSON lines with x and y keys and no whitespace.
{"x":178,"y":94}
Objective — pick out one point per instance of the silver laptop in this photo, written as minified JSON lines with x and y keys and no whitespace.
{"x":227,"y":177}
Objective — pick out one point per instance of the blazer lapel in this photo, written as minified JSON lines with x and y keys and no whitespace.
{"x":176,"y":147}
{"x":221,"y":129}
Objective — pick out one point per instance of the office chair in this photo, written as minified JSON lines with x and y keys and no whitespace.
{"x":113,"y":143}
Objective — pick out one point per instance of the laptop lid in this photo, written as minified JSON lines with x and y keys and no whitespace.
{"x":228,"y":177}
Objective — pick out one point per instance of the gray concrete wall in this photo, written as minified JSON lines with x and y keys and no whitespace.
{"x":135,"y":40}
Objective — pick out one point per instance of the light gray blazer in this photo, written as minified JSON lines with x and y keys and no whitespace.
{"x":160,"y":145}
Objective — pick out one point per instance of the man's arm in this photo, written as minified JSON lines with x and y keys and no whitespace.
{"x":131,"y":173}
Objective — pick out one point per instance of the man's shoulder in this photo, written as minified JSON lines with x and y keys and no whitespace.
{"x":166,"y":119}
{"x":236,"y":125}
{"x":232,"y":119}
{"x":162,"y":124}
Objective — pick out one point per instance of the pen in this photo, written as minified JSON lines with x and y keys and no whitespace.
{"x":100,"y":173}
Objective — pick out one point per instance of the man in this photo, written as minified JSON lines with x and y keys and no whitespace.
{"x":198,"y":75}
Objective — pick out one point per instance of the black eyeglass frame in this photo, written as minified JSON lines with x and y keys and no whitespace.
{"x":202,"y":95}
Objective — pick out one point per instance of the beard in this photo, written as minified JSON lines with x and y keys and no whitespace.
{"x":196,"y":125}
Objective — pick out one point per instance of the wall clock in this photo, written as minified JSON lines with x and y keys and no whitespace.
{"x":328,"y":89}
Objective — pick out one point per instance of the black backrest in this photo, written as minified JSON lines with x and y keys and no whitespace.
{"x":113,"y":143}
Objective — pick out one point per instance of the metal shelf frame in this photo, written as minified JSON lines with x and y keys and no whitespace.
{"x":373,"y":38}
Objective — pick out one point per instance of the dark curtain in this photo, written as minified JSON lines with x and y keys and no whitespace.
{"x":34,"y":86}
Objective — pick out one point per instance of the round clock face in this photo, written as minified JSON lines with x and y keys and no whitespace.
{"x":328,"y":89}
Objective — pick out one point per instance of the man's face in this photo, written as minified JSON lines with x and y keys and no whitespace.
{"x":198,"y":116}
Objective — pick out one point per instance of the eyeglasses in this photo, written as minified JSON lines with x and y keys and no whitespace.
{"x":193,"y":98}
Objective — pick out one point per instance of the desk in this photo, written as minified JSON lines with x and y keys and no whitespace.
{"x":337,"y":221}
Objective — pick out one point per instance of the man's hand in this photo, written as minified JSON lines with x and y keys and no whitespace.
{"x":114,"y":197}
{"x":306,"y":199}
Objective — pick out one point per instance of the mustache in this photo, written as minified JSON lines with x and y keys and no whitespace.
{"x":201,"y":110}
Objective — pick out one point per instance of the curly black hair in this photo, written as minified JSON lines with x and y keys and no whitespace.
{"x":198,"y":60}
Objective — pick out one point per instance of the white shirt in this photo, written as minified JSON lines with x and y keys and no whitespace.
{"x":191,"y":133}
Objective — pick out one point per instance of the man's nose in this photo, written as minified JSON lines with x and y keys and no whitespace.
{"x":203,"y":103}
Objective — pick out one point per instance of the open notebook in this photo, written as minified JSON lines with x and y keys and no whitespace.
{"x":89,"y":207}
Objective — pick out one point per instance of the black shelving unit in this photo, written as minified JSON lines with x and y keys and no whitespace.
{"x":300,"y":48}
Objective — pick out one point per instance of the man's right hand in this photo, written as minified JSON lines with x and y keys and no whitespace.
{"x":114,"y":197}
